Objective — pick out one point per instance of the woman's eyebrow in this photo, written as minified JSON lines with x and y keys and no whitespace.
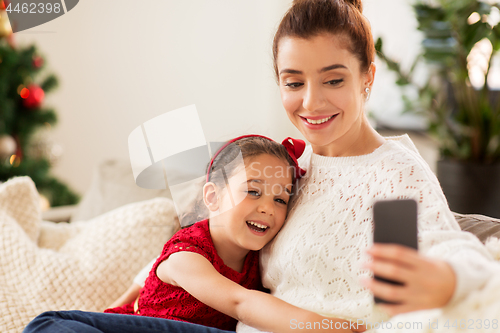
{"x":290,"y":71}
{"x":322,"y":70}
{"x":329,"y":68}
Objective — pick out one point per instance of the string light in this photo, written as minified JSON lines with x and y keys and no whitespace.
{"x":25,"y":93}
{"x":15,"y":161}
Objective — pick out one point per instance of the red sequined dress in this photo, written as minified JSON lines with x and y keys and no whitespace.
{"x":160,"y":299}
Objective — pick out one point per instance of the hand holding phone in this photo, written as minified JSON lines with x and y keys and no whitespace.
{"x":395,"y":222}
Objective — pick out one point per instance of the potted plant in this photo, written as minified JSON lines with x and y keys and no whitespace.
{"x":459,"y":50}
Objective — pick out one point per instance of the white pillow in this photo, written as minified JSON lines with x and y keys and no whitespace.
{"x":16,"y":198}
{"x":112,"y":186}
{"x":90,"y":269}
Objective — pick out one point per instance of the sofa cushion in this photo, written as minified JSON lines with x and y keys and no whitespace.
{"x":481,"y":226}
{"x":91,"y":264}
{"x":16,"y":198}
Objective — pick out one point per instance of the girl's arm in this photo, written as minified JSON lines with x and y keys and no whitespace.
{"x":128,"y":297}
{"x":133,"y":291}
{"x":196,"y":275}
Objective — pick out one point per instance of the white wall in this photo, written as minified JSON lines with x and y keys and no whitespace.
{"x":122,"y":62}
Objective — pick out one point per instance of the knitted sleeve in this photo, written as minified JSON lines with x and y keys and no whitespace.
{"x":439,"y":234}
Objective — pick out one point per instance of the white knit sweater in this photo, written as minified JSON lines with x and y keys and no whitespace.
{"x":315,"y":260}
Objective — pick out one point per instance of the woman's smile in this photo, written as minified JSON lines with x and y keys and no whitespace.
{"x":318,"y":122}
{"x":322,"y":89}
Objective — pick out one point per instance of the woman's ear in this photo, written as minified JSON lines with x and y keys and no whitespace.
{"x":210,"y":196}
{"x":369,"y":76}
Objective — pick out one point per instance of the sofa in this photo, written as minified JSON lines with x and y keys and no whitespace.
{"x":115,"y":230}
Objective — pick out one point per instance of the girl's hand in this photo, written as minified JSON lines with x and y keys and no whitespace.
{"x":428,"y":283}
{"x":127,"y":297}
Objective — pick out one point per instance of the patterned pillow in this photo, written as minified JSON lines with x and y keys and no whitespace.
{"x":92,"y":264}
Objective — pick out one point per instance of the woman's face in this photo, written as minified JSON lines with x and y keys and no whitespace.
{"x":323,"y":92}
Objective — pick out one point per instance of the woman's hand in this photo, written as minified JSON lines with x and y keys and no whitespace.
{"x":428,"y":283}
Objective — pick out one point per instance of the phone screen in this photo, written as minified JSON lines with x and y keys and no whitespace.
{"x":395,"y":221}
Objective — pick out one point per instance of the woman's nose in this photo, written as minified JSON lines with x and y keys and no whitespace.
{"x":314,"y":98}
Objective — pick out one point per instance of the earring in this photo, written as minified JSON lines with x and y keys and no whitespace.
{"x":367,"y":91}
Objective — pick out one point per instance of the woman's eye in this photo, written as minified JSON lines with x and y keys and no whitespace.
{"x":293,"y":84}
{"x":281,"y":201}
{"x":335,"y":82}
{"x":253,"y":193}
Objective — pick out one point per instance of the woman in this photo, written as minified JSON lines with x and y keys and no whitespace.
{"x":323,"y":56}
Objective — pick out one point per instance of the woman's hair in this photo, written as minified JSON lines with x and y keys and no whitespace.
{"x":250,"y":147}
{"x":310,"y":18}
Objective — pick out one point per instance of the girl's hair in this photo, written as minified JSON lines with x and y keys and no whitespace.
{"x":249,"y":147}
{"x":310,"y":18}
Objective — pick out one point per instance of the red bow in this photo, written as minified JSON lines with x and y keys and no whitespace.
{"x":295,"y":148}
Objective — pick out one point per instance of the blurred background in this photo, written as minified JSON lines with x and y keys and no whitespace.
{"x":121,"y":63}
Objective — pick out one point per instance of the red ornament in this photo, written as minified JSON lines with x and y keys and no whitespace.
{"x":33,"y":96}
{"x":37,"y":61}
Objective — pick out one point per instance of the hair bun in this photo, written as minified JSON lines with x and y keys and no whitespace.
{"x":356,"y":3}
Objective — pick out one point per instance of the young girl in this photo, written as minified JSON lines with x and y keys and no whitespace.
{"x":199,"y":276}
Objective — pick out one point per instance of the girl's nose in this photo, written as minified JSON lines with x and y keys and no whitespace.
{"x":313,"y":98}
{"x":266,"y":207}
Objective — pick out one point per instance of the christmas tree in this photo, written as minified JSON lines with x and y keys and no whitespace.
{"x":22,"y":114}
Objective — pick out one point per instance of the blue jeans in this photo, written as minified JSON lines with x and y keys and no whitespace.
{"x":96,"y":322}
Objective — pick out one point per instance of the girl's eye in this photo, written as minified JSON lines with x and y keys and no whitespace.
{"x":335,"y":82}
{"x":253,"y":193}
{"x":281,"y":201}
{"x":293,"y":84}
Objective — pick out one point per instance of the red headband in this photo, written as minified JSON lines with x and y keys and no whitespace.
{"x":295,"y":148}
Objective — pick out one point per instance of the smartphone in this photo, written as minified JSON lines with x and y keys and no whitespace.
{"x":395,"y":222}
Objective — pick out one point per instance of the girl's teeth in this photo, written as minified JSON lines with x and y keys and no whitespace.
{"x":319,"y":121}
{"x":257,"y":225}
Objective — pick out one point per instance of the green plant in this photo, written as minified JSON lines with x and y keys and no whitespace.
{"x":463,"y":114}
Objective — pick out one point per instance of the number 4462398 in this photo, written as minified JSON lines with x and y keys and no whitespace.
{"x":33,"y":8}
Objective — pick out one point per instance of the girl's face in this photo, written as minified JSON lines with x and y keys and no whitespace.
{"x":253,"y":206}
{"x":323,"y":92}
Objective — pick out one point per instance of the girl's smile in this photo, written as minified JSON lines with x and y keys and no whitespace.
{"x":258,"y":227}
